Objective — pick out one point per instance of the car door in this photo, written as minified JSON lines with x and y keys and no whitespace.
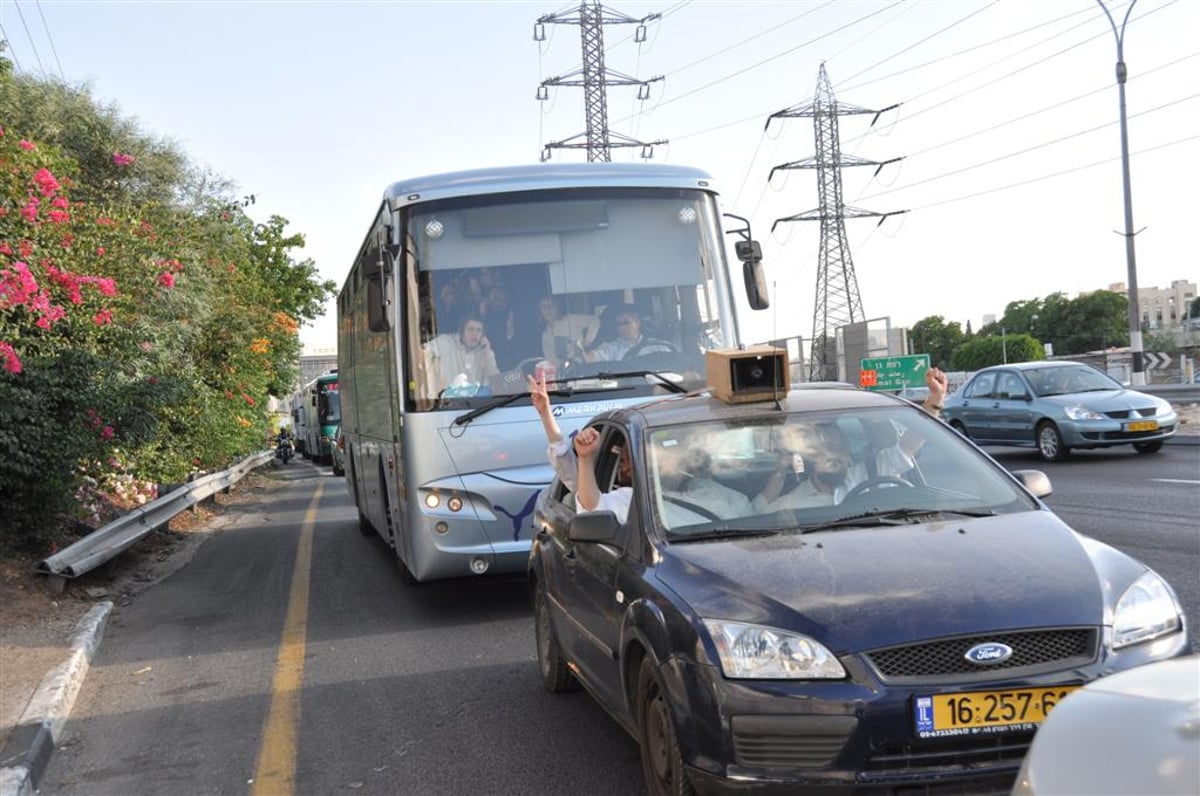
{"x":978,"y":407}
{"x":1013,"y":419}
{"x":587,"y":585}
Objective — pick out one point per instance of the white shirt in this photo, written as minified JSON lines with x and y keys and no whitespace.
{"x":566,"y":465}
{"x":453,"y":364}
{"x":888,"y":462}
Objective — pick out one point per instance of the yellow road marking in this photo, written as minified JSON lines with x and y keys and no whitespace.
{"x":275,"y":774}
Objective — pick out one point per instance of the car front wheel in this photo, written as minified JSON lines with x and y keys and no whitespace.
{"x":662,"y":764}
{"x":1050,"y":442}
{"x":1148,"y":447}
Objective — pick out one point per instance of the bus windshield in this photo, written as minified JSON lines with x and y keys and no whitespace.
{"x":576,"y":285}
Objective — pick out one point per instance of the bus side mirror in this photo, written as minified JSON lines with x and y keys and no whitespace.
{"x":756,"y":285}
{"x":750,"y":253}
{"x":377,"y":302}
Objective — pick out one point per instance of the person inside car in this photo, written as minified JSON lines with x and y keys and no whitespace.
{"x":822,"y":454}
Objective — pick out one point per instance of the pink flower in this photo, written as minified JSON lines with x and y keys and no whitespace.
{"x":60,"y":201}
{"x":26,"y":145}
{"x":146,"y":345}
{"x":107,"y":432}
{"x":45,"y":181}
{"x":5,"y":249}
{"x":104,"y":221}
{"x":12,"y":363}
{"x":59,"y":216}
{"x":166,"y":279}
{"x":99,"y":251}
{"x":122,"y":160}
{"x":29,"y":212}
{"x":103,"y":317}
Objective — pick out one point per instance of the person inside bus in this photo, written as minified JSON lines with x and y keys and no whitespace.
{"x":629,"y":341}
{"x":461,"y":361}
{"x":563,"y":336}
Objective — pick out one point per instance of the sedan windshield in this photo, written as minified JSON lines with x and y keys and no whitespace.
{"x":820,"y":471}
{"x":1064,"y":379}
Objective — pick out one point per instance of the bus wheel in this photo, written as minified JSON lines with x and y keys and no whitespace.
{"x":406,"y":576}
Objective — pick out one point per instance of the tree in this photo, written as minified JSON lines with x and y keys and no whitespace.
{"x":984,"y":351}
{"x":937,"y":338}
{"x":144,"y":317}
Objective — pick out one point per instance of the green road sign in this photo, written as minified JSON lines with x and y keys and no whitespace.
{"x":893,"y":373}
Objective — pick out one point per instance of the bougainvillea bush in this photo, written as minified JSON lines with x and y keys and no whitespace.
{"x":140,"y":339}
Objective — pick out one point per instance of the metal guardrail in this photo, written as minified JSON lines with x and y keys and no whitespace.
{"x":1175,"y":393}
{"x":109,"y":540}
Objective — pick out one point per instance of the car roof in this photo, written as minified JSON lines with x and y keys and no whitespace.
{"x":698,"y":407}
{"x":1037,"y":364}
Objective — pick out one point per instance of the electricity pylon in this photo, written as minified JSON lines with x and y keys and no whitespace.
{"x":838,"y":302}
{"x":595,"y":78}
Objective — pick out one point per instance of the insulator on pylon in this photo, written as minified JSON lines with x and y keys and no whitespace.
{"x":539,"y":32}
{"x":543,"y":93}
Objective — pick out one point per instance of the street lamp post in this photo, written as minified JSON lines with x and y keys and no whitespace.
{"x":1138,"y":376}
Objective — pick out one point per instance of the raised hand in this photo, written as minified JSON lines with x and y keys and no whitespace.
{"x":586,"y":442}
{"x":935,"y":380}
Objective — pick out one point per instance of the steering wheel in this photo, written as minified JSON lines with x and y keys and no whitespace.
{"x":875,"y":483}
{"x":695,"y":508}
{"x":666,"y":345}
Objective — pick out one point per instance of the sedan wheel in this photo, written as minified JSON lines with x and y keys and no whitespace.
{"x":1050,"y":443}
{"x":662,"y":765}
{"x":1148,"y":447}
{"x":556,"y":676}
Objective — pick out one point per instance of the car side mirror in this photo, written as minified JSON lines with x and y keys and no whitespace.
{"x":1035,"y":481}
{"x":594,"y":526}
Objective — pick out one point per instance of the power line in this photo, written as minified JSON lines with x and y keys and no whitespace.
{"x":1062,"y":173}
{"x":32,"y":45}
{"x":1033,"y":148}
{"x":50,"y":39}
{"x":776,"y":56}
{"x":11,"y":51}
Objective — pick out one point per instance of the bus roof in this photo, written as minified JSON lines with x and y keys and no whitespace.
{"x":541,"y":176}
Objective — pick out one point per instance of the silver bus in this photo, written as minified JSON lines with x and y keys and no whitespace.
{"x":466,"y":284}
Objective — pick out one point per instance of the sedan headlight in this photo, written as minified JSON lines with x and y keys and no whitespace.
{"x":1145,"y":611}
{"x":1081,"y":413}
{"x":758,"y":652}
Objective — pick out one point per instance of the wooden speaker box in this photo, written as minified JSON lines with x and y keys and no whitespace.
{"x":741,"y":375}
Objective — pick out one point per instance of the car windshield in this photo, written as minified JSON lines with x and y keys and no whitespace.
{"x":1063,"y":379}
{"x":805,"y":471}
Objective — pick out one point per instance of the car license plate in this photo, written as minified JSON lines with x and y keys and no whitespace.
{"x":977,"y":712}
{"x":1143,"y":425}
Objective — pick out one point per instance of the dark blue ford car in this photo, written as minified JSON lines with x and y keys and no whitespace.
{"x":828,"y":590}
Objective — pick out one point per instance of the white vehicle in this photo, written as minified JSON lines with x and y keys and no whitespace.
{"x":466,"y":284}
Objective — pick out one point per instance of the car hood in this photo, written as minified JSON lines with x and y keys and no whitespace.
{"x":865,"y":588}
{"x":1105,"y":400}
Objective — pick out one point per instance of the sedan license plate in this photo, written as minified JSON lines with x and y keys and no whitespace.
{"x":977,"y":712}
{"x":1143,"y":425}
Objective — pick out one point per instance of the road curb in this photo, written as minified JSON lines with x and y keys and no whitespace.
{"x":27,"y":752}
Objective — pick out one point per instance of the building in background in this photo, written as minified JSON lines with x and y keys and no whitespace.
{"x":1166,"y":309}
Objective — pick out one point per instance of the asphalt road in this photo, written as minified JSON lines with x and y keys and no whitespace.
{"x":433,"y":689}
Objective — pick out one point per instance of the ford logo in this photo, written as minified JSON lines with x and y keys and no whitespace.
{"x":989,"y":653}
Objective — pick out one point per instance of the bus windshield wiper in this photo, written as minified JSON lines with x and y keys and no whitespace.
{"x":505,"y":400}
{"x":661,"y":379}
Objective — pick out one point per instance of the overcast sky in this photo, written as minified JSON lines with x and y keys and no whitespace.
{"x":1007,"y":122}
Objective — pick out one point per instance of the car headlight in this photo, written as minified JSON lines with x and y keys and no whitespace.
{"x":1145,"y":611}
{"x":758,"y":652}
{"x":1081,"y":413}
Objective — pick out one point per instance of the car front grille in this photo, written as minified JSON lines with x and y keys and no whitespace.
{"x":1033,"y":652}
{"x":1126,"y":436}
{"x":1134,"y":414}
